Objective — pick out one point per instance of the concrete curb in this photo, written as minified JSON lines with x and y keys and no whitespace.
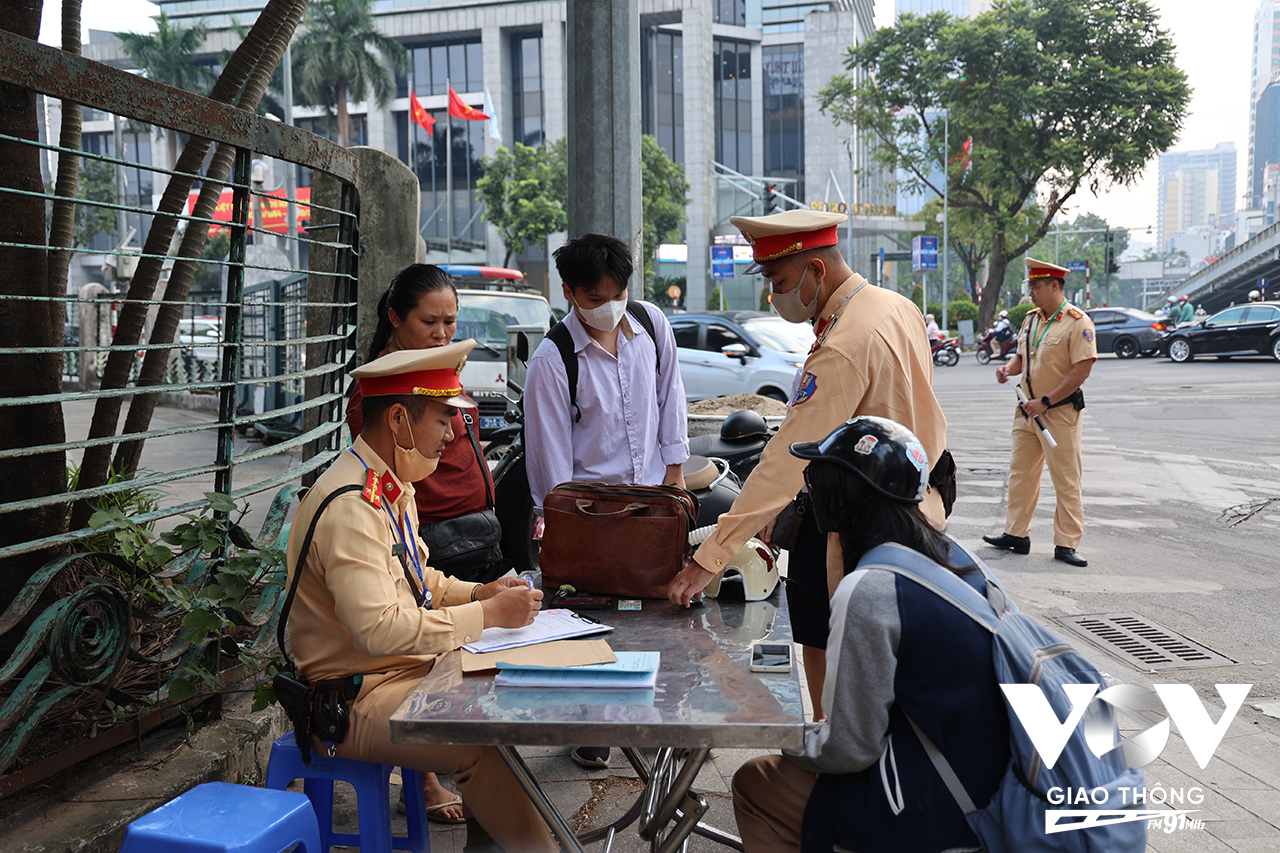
{"x":87,"y":809}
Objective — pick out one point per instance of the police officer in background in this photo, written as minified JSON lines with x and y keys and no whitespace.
{"x":1056,"y":352}
{"x":868,"y":358}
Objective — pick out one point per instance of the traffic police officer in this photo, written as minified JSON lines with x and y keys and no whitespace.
{"x":870,"y":357}
{"x":371,"y":614}
{"x":1056,"y":345}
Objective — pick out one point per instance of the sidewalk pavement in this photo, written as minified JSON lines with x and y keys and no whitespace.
{"x":86,"y":809}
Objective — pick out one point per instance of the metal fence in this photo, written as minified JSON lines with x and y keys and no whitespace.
{"x":262,"y":401}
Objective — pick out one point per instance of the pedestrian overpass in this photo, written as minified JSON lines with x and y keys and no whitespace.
{"x":1230,"y":278}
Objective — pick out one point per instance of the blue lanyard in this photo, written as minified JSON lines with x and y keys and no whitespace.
{"x":398,"y":527}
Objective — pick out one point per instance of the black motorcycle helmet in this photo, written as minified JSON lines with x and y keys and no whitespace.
{"x":884,"y":453}
{"x":744,"y":423}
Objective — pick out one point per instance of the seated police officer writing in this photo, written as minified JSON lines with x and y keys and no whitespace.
{"x":370,"y":615}
{"x":898,"y":656}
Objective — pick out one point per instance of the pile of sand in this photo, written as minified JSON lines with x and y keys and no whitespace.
{"x":724,"y":406}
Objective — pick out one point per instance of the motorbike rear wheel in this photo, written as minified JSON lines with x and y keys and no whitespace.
{"x":983,"y":355}
{"x":948,"y":357}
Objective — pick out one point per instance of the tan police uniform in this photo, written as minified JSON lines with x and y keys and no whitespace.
{"x":1056,"y":343}
{"x":356,"y":614}
{"x":870,"y":357}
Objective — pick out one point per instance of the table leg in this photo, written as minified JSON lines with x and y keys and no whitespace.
{"x":694,"y":808}
{"x":555,"y":822}
{"x":675,"y":798}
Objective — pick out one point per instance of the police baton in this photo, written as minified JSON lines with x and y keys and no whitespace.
{"x":1022,"y":398}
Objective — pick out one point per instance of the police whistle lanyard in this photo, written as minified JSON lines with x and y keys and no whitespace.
{"x":1035,"y":346}
{"x":398,"y":527}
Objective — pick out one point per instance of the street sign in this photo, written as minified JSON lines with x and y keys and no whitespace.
{"x":1262,"y":283}
{"x":1076,"y":266}
{"x":924,"y":253}
{"x":674,"y":291}
{"x":722,"y":262}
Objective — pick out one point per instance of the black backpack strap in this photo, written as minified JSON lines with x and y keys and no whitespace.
{"x":475,"y":445}
{"x":297,"y":572}
{"x":635,"y":309}
{"x":559,"y":335}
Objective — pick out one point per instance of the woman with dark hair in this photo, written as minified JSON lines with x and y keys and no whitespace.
{"x":897,"y":655}
{"x":420,"y":311}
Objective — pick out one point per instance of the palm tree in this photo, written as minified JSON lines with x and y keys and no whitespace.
{"x":167,"y":57}
{"x":336,"y":63}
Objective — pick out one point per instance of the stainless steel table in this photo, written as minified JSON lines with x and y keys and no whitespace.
{"x":706,"y":696}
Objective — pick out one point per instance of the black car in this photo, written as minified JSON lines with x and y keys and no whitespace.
{"x":1250,"y":329}
{"x":1128,"y":331}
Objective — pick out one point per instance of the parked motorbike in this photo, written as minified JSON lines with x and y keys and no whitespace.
{"x":946,"y":352}
{"x":989,"y":346}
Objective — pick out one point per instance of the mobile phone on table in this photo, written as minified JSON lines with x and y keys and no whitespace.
{"x":771,"y":657}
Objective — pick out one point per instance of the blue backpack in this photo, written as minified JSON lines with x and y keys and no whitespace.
{"x":1019,"y":816}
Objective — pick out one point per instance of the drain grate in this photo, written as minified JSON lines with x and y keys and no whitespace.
{"x":1143,"y":643}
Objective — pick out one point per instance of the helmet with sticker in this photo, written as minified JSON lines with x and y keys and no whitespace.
{"x":884,"y":453}
{"x":754,"y":567}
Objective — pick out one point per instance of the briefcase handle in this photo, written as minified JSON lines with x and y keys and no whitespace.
{"x":583,"y":507}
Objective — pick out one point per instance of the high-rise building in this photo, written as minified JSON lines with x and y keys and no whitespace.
{"x":727,"y":82}
{"x":1264,"y":71}
{"x":1197,"y":188}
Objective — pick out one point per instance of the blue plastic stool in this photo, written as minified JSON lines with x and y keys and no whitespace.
{"x":219,"y":817}
{"x":373,"y":797}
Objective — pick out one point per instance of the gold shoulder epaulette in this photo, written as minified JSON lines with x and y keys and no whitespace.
{"x":1075,"y":312}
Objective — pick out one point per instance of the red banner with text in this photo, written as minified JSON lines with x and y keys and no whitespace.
{"x":275,"y":210}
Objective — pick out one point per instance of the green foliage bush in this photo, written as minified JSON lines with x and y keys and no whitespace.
{"x":1018,"y":312}
{"x":961,"y":309}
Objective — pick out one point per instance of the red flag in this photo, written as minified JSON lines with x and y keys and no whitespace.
{"x":421,"y":116}
{"x":964,"y":157}
{"x":459,"y":109}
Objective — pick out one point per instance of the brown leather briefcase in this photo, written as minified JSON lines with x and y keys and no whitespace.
{"x":619,"y":540}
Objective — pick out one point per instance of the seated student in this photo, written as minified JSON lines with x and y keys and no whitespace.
{"x":863,"y":780}
{"x":370,"y":611}
{"x":629,"y":424}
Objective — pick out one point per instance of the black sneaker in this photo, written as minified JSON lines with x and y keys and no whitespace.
{"x":594,"y":757}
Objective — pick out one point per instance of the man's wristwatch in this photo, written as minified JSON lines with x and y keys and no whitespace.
{"x":1045,"y":400}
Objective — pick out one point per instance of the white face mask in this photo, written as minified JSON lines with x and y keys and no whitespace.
{"x":605,"y":318}
{"x":791,"y":305}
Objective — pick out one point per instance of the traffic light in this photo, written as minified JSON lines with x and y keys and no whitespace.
{"x":770,"y":200}
{"x":1112,"y":266}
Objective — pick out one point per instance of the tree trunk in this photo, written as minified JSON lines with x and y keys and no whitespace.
{"x":26,"y":324}
{"x":62,"y":224}
{"x":995,"y":280}
{"x":284,"y":20}
{"x":344,"y":119}
{"x":94,"y":470}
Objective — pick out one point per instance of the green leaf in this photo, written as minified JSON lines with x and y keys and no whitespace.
{"x":239,"y":537}
{"x":180,"y":690}
{"x":201,"y":623}
{"x":264,"y":696}
{"x":220,"y":503}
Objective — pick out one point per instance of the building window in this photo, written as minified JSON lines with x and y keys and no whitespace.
{"x":137,"y":180}
{"x":733,"y":12}
{"x":662,"y":90}
{"x":784,"y":111}
{"x":435,"y":67}
{"x":526,"y":90}
{"x":430,"y":165}
{"x":733,"y":104}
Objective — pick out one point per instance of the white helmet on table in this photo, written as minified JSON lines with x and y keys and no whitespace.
{"x":754,"y":567}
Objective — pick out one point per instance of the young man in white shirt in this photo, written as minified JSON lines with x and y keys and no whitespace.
{"x":627,"y":422}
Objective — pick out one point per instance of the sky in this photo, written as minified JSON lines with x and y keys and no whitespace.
{"x":1213,"y":48}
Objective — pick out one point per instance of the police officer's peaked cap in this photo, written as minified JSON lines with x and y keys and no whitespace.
{"x":435,"y":373}
{"x":883,"y":452}
{"x":782,"y":234}
{"x":1044,"y":269}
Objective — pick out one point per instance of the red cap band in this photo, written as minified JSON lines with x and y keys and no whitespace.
{"x":431,"y":383}
{"x":776,"y":246}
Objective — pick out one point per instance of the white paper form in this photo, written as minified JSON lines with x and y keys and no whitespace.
{"x":547,"y":625}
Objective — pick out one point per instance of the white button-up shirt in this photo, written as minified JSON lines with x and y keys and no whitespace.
{"x":634,"y":422}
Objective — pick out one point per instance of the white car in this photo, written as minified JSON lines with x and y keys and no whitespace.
{"x":485,"y":315}
{"x":201,"y":335}
{"x":739,"y":352}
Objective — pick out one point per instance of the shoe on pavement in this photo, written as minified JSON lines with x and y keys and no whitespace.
{"x":1016,"y":544}
{"x":595,"y":757}
{"x":1068,"y":556}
